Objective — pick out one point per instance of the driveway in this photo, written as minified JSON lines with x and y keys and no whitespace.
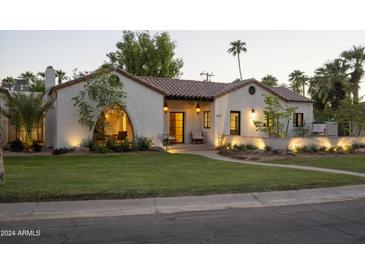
{"x":339,"y":222}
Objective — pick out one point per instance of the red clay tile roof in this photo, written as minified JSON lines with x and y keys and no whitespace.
{"x":192,"y":89}
{"x":4,"y":90}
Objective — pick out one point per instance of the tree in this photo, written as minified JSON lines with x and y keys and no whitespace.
{"x":351,"y":117}
{"x":37,"y":85}
{"x":41,"y":74}
{"x":8,"y":82}
{"x":277,"y":117}
{"x":76,"y":73}
{"x":26,"y":111}
{"x":355,"y":59}
{"x":298,"y":81}
{"x":103,"y":91}
{"x":61,"y":75}
{"x":270,"y":80}
{"x":28,"y":76}
{"x":237,"y":47}
{"x":140,"y":53}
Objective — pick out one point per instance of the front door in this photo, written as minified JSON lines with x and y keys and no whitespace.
{"x":177,"y":126}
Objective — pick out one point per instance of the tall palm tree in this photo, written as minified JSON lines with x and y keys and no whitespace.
{"x":237,"y":47}
{"x":61,"y":75}
{"x":8,"y":82}
{"x":355,"y":59}
{"x":28,"y":76}
{"x":26,"y":111}
{"x":269,"y":80}
{"x":298,"y":81}
{"x":41,"y":74}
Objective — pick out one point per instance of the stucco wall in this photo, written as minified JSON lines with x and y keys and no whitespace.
{"x":241,"y":100}
{"x":143,"y":106}
{"x":192,"y":119}
{"x":294,"y":141}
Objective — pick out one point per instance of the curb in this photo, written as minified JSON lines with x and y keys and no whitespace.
{"x":112,"y":208}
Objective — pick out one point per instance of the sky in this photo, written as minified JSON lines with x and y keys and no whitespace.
{"x":268,"y":52}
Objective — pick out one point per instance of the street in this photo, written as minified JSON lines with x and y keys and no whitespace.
{"x":340,"y":222}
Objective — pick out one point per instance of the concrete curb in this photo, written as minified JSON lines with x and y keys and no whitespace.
{"x":108,"y":208}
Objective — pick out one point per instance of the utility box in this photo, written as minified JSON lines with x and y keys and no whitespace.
{"x":332,"y":129}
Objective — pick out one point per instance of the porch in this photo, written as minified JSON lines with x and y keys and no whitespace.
{"x":188,"y":122}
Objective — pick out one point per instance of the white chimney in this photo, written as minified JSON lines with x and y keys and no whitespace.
{"x":50,"y":78}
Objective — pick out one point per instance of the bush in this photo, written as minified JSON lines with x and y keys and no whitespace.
{"x":358,"y":145}
{"x":268,"y":148}
{"x":36,"y":147}
{"x":17,"y":145}
{"x":63,"y":150}
{"x":101,"y":149}
{"x":87,"y":143}
{"x":144,"y":143}
{"x":322,"y":149}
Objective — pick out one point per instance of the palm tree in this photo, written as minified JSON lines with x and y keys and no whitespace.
{"x":41,"y":74}
{"x":26,"y":111}
{"x":236,"y":48}
{"x":8,"y":82}
{"x":28,"y":76}
{"x":298,"y":81}
{"x":355,"y":59}
{"x":270,"y":80}
{"x":61,"y":75}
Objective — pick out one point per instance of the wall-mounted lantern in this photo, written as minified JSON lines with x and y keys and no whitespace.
{"x":165,"y":107}
{"x":197,"y":108}
{"x":253,"y":114}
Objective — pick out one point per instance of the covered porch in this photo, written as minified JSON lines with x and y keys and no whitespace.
{"x":188,"y":122}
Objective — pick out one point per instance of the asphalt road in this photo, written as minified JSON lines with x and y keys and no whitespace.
{"x":342,"y":222}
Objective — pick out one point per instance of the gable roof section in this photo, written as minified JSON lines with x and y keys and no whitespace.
{"x":89,"y":76}
{"x":192,"y":89}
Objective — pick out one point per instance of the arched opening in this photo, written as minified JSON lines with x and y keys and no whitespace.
{"x":113,"y":124}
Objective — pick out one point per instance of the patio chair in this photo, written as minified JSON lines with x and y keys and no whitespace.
{"x":197,"y":136}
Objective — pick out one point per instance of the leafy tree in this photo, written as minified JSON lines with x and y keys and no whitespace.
{"x":28,"y":76}
{"x":61,"y":75}
{"x":76,"y":73}
{"x":236,"y":48}
{"x":270,"y":80}
{"x":298,"y":81}
{"x":26,"y":111}
{"x":277,"y":117}
{"x":140,"y":53}
{"x":355,"y":59}
{"x":8,"y":82}
{"x":351,"y":117}
{"x":103,"y":91}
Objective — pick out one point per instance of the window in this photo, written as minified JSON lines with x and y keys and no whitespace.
{"x":235,"y":120}
{"x":298,"y":120}
{"x":206,"y":119}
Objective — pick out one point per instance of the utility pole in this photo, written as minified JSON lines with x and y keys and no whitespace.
{"x":207,"y":75}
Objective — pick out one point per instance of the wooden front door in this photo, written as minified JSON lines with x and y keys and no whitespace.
{"x":177,"y":126}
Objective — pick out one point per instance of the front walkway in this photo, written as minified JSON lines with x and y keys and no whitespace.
{"x":109,"y":208}
{"x":212,"y":154}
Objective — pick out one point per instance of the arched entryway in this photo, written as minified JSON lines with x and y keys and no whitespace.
{"x":113,"y":124}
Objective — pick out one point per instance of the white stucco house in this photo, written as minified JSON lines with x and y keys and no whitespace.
{"x":175,"y":108}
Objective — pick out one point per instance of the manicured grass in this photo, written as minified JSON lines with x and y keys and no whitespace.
{"x":345,"y":162}
{"x":145,"y":175}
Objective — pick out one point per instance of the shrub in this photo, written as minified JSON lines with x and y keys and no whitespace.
{"x":251,"y":147}
{"x":358,"y":145}
{"x":313,"y":148}
{"x":101,"y":149}
{"x":268,"y":148}
{"x":144,"y":143}
{"x":339,"y":149}
{"x":36,"y":147}
{"x":277,"y":151}
{"x":17,"y":145}
{"x":59,"y":151}
{"x":86,"y":143}
{"x":322,"y":148}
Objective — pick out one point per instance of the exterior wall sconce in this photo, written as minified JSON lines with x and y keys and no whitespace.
{"x":253,"y":114}
{"x":165,"y":107}
{"x":197,"y":108}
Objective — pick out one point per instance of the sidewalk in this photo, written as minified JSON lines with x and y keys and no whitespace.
{"x":105,"y":208}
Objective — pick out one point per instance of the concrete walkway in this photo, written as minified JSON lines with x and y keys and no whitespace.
{"x":212,"y":154}
{"x":107,"y":208}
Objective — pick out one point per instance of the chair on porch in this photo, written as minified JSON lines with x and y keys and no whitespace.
{"x":197,"y":136}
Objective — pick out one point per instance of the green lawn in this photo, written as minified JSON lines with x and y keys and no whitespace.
{"x":344,"y":162}
{"x":145,"y":175}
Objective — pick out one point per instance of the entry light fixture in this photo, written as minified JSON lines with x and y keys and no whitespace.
{"x":165,"y":107}
{"x":253,"y":114}
{"x":197,"y":108}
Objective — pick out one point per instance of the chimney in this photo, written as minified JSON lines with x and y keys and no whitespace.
{"x":50,"y":78}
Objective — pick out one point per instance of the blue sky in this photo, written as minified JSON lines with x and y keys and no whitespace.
{"x":269,"y":52}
